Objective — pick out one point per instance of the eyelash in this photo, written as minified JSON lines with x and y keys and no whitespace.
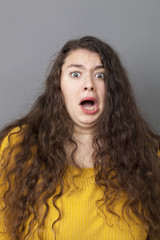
{"x":74,"y":72}
{"x":101,"y":74}
{"x":80,"y":73}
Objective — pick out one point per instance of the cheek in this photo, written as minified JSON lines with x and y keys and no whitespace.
{"x":67,"y":87}
{"x":64,"y":89}
{"x":65,"y":95}
{"x":102,"y":90}
{"x":103,"y":97}
{"x":69,"y":97}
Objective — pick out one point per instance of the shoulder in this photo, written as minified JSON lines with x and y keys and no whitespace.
{"x":14,"y":137}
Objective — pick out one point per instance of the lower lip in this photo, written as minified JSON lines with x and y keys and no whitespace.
{"x":87,"y":111}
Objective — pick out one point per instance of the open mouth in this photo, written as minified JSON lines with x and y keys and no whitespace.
{"x":88,"y":104}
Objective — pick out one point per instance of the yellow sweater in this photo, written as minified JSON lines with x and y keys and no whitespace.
{"x":81,"y":219}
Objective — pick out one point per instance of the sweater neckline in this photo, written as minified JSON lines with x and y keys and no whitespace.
{"x":83,"y":169}
{"x":87,"y":175}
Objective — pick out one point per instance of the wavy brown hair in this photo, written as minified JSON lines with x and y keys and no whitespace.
{"x":125,"y":157}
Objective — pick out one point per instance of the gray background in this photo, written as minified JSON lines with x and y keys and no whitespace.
{"x":31,"y":31}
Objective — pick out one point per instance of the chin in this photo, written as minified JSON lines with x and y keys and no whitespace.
{"x":88,"y":123}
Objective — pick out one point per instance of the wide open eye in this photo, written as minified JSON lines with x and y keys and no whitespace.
{"x":75,"y":74}
{"x":100,"y":75}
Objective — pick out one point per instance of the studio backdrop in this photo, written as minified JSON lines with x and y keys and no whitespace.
{"x":32,"y":31}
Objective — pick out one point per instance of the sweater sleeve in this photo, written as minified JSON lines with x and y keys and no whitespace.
{"x":3,"y":146}
{"x":8,"y":141}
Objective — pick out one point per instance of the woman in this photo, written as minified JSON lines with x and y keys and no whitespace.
{"x":83,"y":163}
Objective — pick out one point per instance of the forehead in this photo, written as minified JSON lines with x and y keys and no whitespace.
{"x":82,"y":56}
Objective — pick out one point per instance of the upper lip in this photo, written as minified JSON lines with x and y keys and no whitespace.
{"x":89,"y":99}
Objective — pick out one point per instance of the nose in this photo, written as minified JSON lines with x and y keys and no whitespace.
{"x":88,"y":84}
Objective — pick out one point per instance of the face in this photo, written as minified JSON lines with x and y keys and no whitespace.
{"x":83,"y":88}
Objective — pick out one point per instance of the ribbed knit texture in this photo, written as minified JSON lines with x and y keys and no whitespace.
{"x":81,"y":219}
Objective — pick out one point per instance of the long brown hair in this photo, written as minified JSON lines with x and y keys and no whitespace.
{"x":125,"y":157}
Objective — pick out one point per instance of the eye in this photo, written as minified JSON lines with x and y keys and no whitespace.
{"x":75,"y":74}
{"x":100,"y":75}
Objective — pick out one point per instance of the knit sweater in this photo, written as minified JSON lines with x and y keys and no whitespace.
{"x":81,"y":217}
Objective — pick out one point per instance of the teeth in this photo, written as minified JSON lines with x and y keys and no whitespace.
{"x":89,"y":108}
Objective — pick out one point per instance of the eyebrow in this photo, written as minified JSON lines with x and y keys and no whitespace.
{"x":82,"y":67}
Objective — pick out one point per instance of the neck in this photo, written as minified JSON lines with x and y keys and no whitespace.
{"x":82,"y":138}
{"x":83,"y":154}
{"x":83,"y":133}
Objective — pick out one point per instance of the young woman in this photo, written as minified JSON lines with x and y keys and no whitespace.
{"x":83,"y":163}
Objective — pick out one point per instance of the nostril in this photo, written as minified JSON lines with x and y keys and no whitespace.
{"x":90,"y":88}
{"x":85,"y":88}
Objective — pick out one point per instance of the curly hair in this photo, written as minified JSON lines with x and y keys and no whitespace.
{"x":125,"y":155}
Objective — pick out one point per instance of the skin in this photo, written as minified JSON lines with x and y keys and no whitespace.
{"x":86,"y":79}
